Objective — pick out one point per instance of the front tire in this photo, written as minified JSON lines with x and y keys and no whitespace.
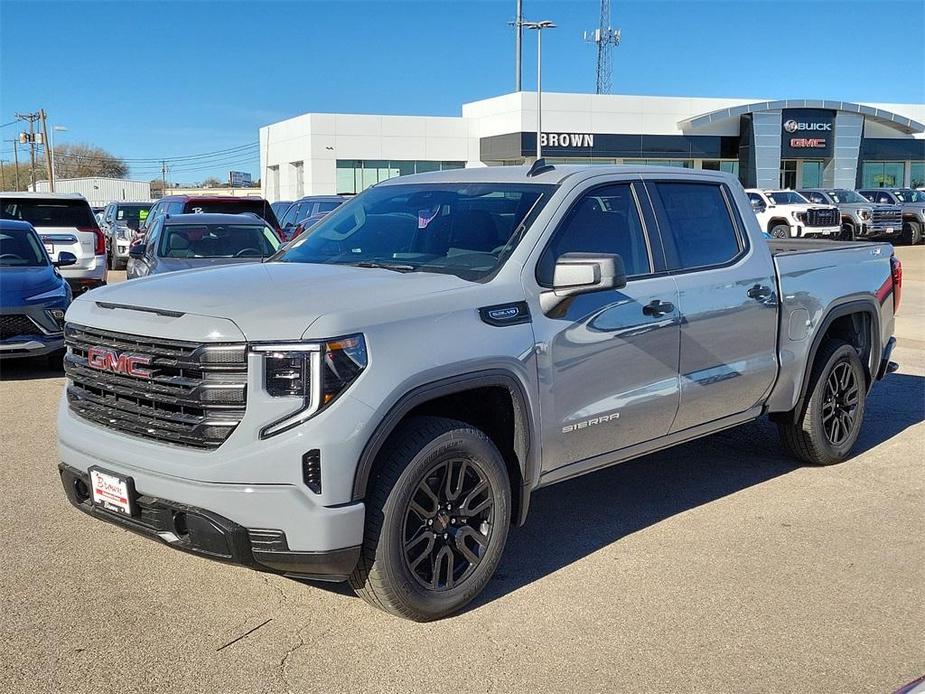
{"x":912,"y":233}
{"x":437,"y":519}
{"x":848,"y":232}
{"x":780,"y":231}
{"x":826,"y":429}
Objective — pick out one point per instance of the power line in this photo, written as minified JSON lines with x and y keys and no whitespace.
{"x":12,"y":122}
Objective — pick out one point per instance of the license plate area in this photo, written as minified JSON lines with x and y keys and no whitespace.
{"x":112,"y":492}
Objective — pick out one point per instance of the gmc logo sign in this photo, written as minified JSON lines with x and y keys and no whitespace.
{"x":106,"y":359}
{"x":807,"y":142}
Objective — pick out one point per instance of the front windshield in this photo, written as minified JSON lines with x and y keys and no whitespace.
{"x":788,"y":197}
{"x":217,"y":241}
{"x":464,"y":229}
{"x":20,"y":248}
{"x":848,"y":196}
{"x":909,"y":195}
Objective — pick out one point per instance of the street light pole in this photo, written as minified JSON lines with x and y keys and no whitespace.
{"x":55,"y":129}
{"x":538,"y":27}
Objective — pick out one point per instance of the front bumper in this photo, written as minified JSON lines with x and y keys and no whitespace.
{"x":205,"y":533}
{"x":818,"y":231}
{"x":43,"y":337}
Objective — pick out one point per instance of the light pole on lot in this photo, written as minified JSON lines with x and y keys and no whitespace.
{"x":51,"y":149}
{"x":538,"y":27}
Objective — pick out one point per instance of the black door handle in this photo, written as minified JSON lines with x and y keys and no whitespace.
{"x":658,"y":308}
{"x":759,"y":292}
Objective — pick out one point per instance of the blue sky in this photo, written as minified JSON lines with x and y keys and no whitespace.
{"x":163,"y":79}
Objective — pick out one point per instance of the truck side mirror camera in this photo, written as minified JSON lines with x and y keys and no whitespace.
{"x":137,"y":250}
{"x":65,"y":259}
{"x":583,"y":273}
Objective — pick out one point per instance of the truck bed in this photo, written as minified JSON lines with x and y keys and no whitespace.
{"x":790,"y":246}
{"x":814,"y":275}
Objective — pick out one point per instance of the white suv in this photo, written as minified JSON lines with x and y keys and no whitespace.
{"x":786,"y":214}
{"x":66,"y":223}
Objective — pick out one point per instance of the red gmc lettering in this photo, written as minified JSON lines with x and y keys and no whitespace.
{"x":807,"y":142}
{"x":106,"y":359}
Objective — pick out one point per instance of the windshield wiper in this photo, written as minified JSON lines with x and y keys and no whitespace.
{"x":397,"y":267}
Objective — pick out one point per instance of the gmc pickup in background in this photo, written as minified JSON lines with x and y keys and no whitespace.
{"x":447,"y":344}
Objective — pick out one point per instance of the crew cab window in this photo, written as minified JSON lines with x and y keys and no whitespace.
{"x":814,"y":197}
{"x":604,"y":220}
{"x":696,"y":224}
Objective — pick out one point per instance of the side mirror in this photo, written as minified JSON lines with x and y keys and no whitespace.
{"x":65,"y":259}
{"x":758,"y":206}
{"x":583,"y":273}
{"x":137,"y":250}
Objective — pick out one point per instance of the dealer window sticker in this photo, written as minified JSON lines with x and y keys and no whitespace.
{"x":425,"y":217}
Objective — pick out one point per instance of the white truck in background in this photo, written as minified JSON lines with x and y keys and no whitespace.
{"x":785,"y":214}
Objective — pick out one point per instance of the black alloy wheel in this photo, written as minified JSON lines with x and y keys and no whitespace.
{"x":448,"y":524}
{"x":840,"y":403}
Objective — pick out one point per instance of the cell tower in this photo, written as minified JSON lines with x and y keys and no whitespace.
{"x":606,"y":37}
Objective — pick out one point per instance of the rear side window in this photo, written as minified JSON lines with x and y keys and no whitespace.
{"x":604,"y":220}
{"x":49,"y":212}
{"x":324,"y":206}
{"x":696,"y":224}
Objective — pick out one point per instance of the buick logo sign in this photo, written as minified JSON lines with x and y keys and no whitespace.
{"x":791,"y":126}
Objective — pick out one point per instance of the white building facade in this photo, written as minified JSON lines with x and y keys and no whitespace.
{"x":767,"y":143}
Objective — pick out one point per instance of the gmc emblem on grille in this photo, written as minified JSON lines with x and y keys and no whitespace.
{"x":106,"y":359}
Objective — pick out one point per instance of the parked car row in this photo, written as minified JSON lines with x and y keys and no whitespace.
{"x":896,"y":215}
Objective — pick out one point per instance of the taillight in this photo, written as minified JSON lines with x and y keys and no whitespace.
{"x":896,"y":270}
{"x":100,"y":246}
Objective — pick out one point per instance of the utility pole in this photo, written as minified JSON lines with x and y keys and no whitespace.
{"x":48,"y":161}
{"x":2,"y":175}
{"x":16,"y":158}
{"x":29,"y":138}
{"x":163,"y":178}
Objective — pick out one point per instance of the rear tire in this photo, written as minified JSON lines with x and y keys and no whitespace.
{"x":826,"y":429}
{"x":437,"y":518}
{"x":780,"y":231}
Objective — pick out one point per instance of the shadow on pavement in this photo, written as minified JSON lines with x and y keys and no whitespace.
{"x":573,"y":519}
{"x":28,"y":369}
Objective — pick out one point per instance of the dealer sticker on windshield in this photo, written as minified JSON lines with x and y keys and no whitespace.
{"x":112,"y":492}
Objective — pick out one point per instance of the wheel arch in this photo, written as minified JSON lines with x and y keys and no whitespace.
{"x":843,"y":319}
{"x":774,"y":221}
{"x":438,"y":397}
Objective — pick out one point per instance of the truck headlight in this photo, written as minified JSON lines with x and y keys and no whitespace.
{"x":798,"y":216}
{"x":864,"y":214}
{"x":123,"y":233}
{"x":314,"y":372}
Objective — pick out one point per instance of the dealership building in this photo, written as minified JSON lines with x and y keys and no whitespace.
{"x":791,"y":143}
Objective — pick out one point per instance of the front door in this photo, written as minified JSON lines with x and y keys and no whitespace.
{"x":608,"y":363}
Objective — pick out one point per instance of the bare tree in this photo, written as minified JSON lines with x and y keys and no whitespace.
{"x":82,"y":160}
{"x":212,"y":182}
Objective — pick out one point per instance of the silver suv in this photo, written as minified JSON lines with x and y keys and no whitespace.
{"x":66,"y":223}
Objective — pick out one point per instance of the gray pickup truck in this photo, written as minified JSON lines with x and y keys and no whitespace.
{"x":912,"y":203}
{"x":378,"y":401}
{"x":860,"y":218}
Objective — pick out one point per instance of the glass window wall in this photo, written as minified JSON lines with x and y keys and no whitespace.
{"x":355,"y":175}
{"x":883,"y":174}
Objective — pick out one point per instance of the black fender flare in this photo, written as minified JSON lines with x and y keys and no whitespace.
{"x":866,"y":305}
{"x":525,"y":428}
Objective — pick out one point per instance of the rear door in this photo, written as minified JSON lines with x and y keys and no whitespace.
{"x":728,"y":300}
{"x":608,"y":364}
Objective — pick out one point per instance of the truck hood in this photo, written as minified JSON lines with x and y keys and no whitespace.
{"x":274,"y":301}
{"x":165,"y":265}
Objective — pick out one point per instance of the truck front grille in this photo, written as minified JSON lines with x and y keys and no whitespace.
{"x":883,"y":217}
{"x":826,"y":217}
{"x":16,"y":324}
{"x":182,"y":393}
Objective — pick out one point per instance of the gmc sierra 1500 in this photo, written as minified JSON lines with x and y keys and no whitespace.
{"x":446,"y":344}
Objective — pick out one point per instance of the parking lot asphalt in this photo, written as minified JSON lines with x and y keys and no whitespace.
{"x":717,"y":566}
